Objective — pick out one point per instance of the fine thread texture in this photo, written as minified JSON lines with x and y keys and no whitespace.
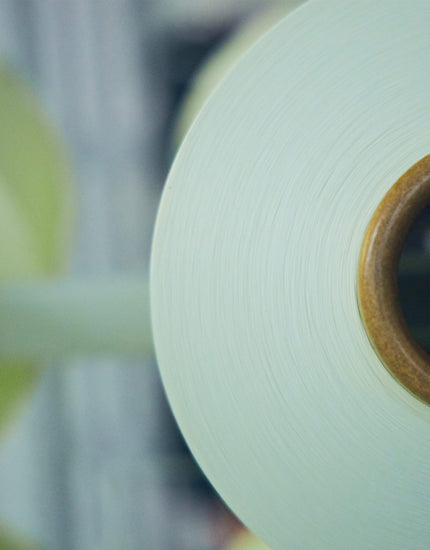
{"x":258,"y":335}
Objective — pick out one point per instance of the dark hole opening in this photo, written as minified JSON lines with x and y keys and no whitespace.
{"x":414,"y":279}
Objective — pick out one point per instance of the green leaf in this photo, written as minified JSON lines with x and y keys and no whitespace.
{"x":245,"y":540}
{"x":12,"y":541}
{"x":35,"y":211}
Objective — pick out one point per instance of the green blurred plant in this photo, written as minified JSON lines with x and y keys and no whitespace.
{"x":11,"y":541}
{"x":43,"y":316}
{"x":35,"y":211}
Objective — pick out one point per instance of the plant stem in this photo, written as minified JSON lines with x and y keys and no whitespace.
{"x":52,"y":320}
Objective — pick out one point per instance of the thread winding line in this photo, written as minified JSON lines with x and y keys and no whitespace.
{"x":258,"y":335}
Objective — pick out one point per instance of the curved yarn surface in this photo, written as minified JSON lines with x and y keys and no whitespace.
{"x":266,"y":364}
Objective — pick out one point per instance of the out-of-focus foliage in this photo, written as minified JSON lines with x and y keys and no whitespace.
{"x":12,"y":541}
{"x":35,"y":210}
{"x":247,"y":541}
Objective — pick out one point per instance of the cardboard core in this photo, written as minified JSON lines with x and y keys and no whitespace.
{"x":377,"y":280}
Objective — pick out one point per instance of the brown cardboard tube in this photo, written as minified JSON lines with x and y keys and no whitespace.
{"x":377,"y":280}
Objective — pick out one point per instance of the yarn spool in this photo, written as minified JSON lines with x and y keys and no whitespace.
{"x":262,"y":311}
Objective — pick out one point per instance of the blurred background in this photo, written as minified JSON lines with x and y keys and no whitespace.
{"x":95,"y":97}
{"x":92,"y":459}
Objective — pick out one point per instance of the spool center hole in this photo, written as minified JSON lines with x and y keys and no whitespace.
{"x":413,"y":279}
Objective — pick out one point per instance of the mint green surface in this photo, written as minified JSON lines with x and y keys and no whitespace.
{"x":35,"y":211}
